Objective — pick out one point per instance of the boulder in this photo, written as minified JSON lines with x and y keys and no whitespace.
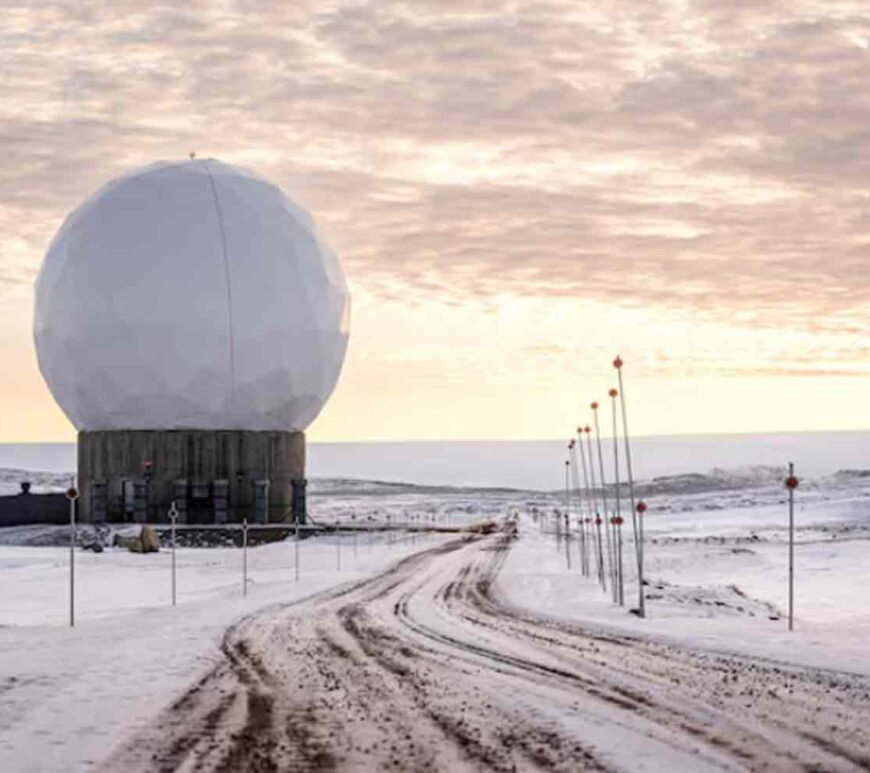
{"x":133,"y":544}
{"x":149,"y":539}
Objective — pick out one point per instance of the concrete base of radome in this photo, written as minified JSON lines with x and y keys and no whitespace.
{"x":213,"y":476}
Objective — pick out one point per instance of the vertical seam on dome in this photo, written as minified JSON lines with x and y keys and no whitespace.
{"x":220,"y":218}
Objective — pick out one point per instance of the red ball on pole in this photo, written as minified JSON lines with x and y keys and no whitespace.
{"x":594,"y":406}
{"x":791,"y":482}
{"x":641,"y":507}
{"x":613,"y":393}
{"x":617,"y":363}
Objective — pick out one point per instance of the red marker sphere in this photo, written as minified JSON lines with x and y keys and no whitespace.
{"x":617,"y":363}
{"x":641,"y":507}
{"x":618,"y":520}
{"x":587,"y":429}
{"x":791,"y":482}
{"x":72,"y":493}
{"x":579,"y":430}
{"x":598,"y":521}
{"x":613,"y":393}
{"x":594,"y":406}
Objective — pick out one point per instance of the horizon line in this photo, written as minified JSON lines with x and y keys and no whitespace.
{"x":394,"y":441}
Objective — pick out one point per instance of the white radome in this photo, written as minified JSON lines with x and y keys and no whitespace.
{"x":190,"y":295}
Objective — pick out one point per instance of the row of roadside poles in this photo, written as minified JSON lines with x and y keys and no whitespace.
{"x":604,"y":552}
{"x":72,"y":495}
{"x":415,"y":522}
{"x":594,"y":512}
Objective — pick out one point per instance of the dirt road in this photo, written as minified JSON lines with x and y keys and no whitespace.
{"x":424,"y":668}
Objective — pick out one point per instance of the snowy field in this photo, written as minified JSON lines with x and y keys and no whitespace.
{"x":716,"y":563}
{"x":718,"y":579}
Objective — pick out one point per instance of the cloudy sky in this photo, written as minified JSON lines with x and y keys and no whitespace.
{"x":518,"y":191}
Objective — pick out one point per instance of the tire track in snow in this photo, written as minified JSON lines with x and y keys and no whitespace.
{"x":423,"y":667}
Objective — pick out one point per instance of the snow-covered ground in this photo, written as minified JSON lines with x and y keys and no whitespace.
{"x":716,"y":562}
{"x":719,"y":579}
{"x":69,"y":695}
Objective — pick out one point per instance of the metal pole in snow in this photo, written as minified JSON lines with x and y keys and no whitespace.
{"x":173,"y":516}
{"x":601,"y":575}
{"x":567,"y":542}
{"x":575,"y":480}
{"x":296,"y":547}
{"x":636,"y":519}
{"x":337,"y":552}
{"x":589,"y":502}
{"x":607,"y":526}
{"x":618,"y":522}
{"x":72,"y":495}
{"x":641,"y":509}
{"x":791,"y":483}
{"x":567,"y":510}
{"x":244,"y":556}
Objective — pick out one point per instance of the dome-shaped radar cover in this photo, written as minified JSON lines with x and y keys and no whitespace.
{"x":190,"y":296}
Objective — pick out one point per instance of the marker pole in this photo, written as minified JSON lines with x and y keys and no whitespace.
{"x":581,"y":545}
{"x":618,"y":529}
{"x":567,"y":512}
{"x":173,"y":517}
{"x":72,"y":495}
{"x":296,"y":547}
{"x":607,"y":525}
{"x":791,"y":483}
{"x":601,"y":576}
{"x":589,"y":503}
{"x":568,"y":541}
{"x":244,"y":556}
{"x":636,"y":520}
